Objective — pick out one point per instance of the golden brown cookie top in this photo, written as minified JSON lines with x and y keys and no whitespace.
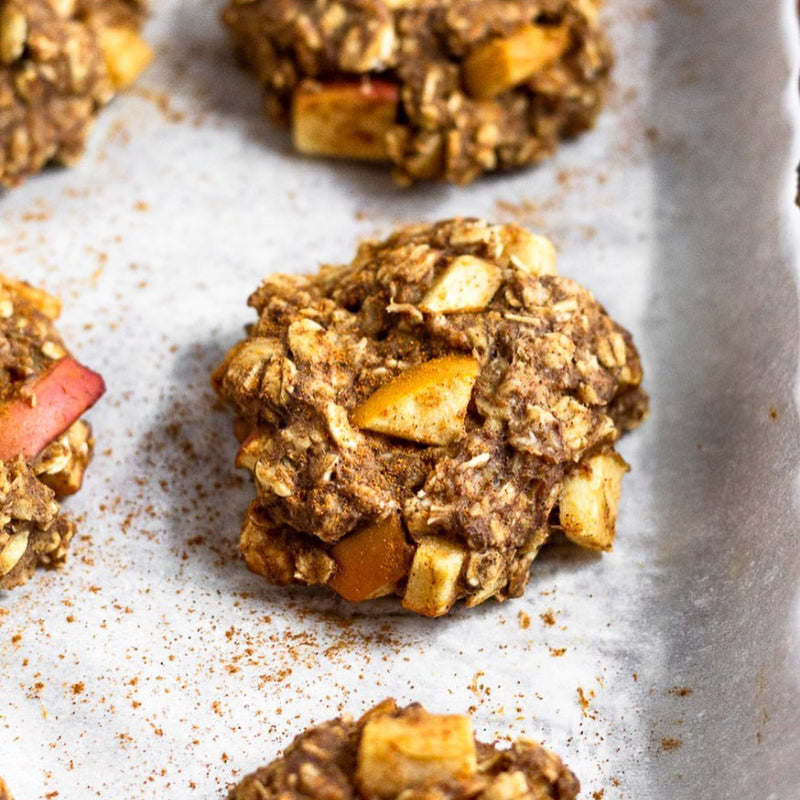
{"x":447,"y":380}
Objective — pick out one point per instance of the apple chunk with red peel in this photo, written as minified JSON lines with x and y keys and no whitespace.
{"x":501,"y":64}
{"x":370,"y":562}
{"x":345,"y":120}
{"x":427,"y":403}
{"x":55,"y":400}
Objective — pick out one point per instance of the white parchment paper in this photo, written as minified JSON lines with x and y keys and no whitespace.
{"x":156,"y":666}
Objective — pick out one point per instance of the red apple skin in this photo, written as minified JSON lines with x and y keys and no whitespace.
{"x":62,"y":395}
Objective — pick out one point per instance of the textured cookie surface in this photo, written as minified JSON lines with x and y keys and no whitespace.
{"x":60,"y":62}
{"x":419,"y":421}
{"x":443,"y":90}
{"x":44,"y":445}
{"x":392,"y":751}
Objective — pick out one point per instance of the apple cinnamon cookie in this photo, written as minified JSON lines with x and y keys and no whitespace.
{"x":421,"y":420}
{"x":442,"y":89}
{"x":45,"y":446}
{"x":61,"y":61}
{"x":407,"y":752}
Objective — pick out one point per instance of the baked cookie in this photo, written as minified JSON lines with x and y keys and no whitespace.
{"x":421,"y":420}
{"x":395,"y":751}
{"x":442,"y":89}
{"x":44,"y":445}
{"x":61,"y":61}
{"x":4,"y":793}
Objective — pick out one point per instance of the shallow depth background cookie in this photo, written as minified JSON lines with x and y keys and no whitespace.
{"x":392,"y":751}
{"x":421,"y":420}
{"x":44,"y":445}
{"x":61,"y":61}
{"x":443,"y":90}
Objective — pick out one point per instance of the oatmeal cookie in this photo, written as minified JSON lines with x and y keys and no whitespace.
{"x":442,"y":89}
{"x":395,"y":751}
{"x":61,"y":61}
{"x":44,"y":445}
{"x":421,"y":420}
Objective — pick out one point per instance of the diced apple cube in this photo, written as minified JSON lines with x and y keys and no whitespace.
{"x":426,"y":404}
{"x":396,"y":754}
{"x":529,"y":251}
{"x":370,"y":562}
{"x":41,"y":300}
{"x":501,"y":64}
{"x":589,"y":501}
{"x":432,"y":587}
{"x":468,"y":284}
{"x":126,"y":54}
{"x":345,"y":120}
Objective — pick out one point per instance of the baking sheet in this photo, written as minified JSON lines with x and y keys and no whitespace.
{"x":156,"y":666}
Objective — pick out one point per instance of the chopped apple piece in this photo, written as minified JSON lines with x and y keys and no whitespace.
{"x":427,"y":403}
{"x":432,"y":587}
{"x":501,"y":64}
{"x":345,"y":120}
{"x":529,"y":251}
{"x":468,"y":284}
{"x":42,"y":301}
{"x":55,"y":401}
{"x":11,"y":553}
{"x":589,"y":500}
{"x":395,"y":755}
{"x":126,"y":54}
{"x":371,"y":561}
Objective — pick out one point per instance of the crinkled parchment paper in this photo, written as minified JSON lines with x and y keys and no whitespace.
{"x":156,"y":666}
